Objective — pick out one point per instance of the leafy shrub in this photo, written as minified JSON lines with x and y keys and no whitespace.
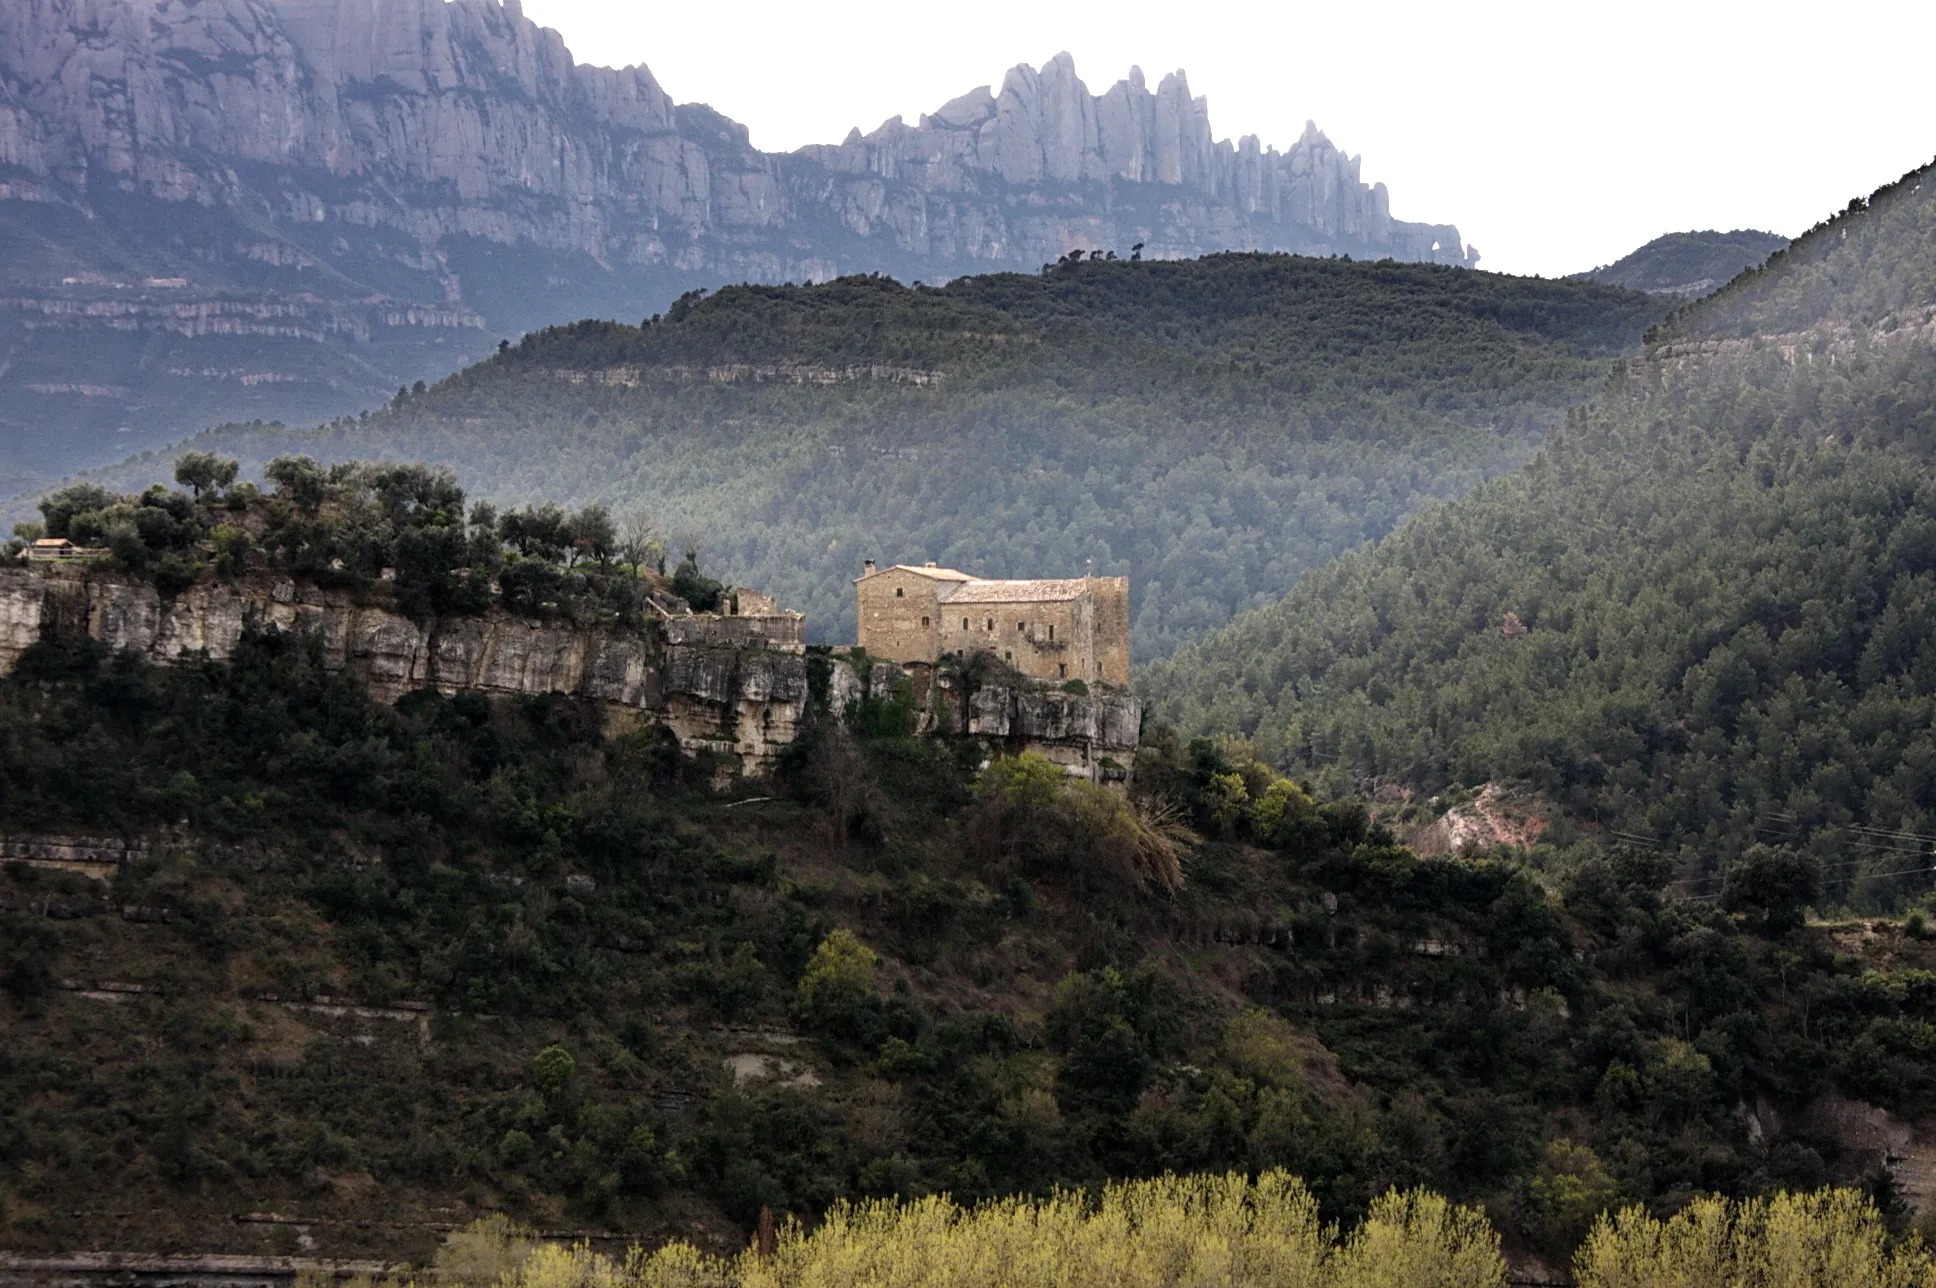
{"x":551,"y":1070}
{"x":1208,"y":1229}
{"x":1031,"y":809}
{"x":836,"y":993}
{"x":1831,"y":1237}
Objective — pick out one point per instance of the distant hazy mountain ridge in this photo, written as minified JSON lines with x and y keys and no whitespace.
{"x":192,"y":195}
{"x":1690,"y":264}
{"x":1045,"y":127}
{"x":489,"y":113}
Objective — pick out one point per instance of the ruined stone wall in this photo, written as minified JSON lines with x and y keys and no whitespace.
{"x":781,"y":632}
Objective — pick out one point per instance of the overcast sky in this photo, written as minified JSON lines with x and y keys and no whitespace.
{"x":1557,"y":135}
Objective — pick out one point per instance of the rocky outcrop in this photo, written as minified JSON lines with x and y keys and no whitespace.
{"x":1092,"y":734}
{"x":1500,"y":815}
{"x":443,"y":118}
{"x":407,"y":180}
{"x":1045,"y":128}
{"x":733,"y":688}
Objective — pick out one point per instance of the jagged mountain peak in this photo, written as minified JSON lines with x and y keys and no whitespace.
{"x":1046,"y":126}
{"x":278,"y":179}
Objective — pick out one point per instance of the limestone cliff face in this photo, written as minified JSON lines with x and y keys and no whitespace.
{"x":735,"y":688}
{"x":1091,"y":734}
{"x":297,"y":205}
{"x":492,"y":130}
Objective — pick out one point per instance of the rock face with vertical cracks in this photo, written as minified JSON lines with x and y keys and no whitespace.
{"x":1092,"y":734}
{"x":732,"y":688}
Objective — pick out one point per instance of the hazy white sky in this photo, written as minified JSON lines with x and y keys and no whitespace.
{"x":1557,"y":134}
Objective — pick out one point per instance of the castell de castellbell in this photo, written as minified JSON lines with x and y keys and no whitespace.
{"x":1073,"y":628}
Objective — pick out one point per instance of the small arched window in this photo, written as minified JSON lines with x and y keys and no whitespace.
{"x":991,"y":624}
{"x":898,"y":592}
{"x":964,"y":623}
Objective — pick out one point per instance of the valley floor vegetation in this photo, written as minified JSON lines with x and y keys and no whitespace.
{"x":1222,"y":1231}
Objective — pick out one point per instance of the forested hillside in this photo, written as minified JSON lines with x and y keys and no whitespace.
{"x":364,"y":973}
{"x":1211,"y":428}
{"x":1725,"y":572}
{"x":1690,"y":264}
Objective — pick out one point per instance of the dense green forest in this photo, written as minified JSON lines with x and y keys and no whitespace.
{"x":1726,"y":568}
{"x":382,"y":969}
{"x":1211,"y":428}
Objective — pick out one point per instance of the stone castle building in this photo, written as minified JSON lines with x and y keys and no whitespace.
{"x":1071,"y":629}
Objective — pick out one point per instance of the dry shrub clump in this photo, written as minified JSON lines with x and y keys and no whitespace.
{"x":1196,"y":1231}
{"x":1829,"y":1239}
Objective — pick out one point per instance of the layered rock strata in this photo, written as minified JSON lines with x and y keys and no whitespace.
{"x":734,"y":688}
{"x":1092,"y":734}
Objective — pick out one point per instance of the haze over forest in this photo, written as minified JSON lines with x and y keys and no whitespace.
{"x":432,"y":845}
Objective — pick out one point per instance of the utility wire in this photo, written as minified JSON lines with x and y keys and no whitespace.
{"x":1905,"y":872}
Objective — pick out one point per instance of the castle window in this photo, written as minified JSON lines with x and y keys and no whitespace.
{"x":1008,"y":655}
{"x":1062,"y":671}
{"x":924,"y":621}
{"x":990,"y":625}
{"x":1052,"y":631}
{"x":964,"y":623}
{"x":1021,"y":626}
{"x":898,"y":592}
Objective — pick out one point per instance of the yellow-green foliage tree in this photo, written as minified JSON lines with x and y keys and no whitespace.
{"x":1212,"y":1231}
{"x":837,"y":983}
{"x":1828,"y":1239}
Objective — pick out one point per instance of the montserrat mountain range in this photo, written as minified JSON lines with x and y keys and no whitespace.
{"x":284,"y":209}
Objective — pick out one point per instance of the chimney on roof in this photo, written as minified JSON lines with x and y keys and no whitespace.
{"x":867,"y":567}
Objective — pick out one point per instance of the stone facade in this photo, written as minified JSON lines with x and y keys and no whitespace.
{"x":1056,"y":630}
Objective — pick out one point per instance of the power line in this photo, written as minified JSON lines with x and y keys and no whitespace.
{"x":1905,"y":872}
{"x":1826,"y":867}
